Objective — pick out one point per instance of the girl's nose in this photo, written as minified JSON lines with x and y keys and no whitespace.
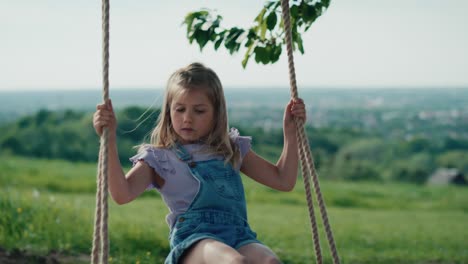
{"x":187,"y":117}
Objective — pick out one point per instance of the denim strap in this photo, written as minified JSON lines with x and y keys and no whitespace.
{"x":181,"y":152}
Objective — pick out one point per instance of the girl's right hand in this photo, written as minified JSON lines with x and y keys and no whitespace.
{"x":105,"y":117}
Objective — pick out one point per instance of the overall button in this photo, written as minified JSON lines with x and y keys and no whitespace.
{"x":181,"y":219}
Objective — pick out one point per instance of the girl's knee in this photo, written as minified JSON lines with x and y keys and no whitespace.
{"x":239,"y":259}
{"x":213,"y":251}
{"x":263,"y":260}
{"x":271,"y":260}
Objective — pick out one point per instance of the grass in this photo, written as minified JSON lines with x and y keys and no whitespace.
{"x":49,"y":206}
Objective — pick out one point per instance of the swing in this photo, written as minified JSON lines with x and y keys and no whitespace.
{"x":100,"y":249}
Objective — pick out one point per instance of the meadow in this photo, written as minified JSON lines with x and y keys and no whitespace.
{"x":48,"y":206}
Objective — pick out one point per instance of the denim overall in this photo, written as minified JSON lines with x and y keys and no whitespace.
{"x":218,"y":211}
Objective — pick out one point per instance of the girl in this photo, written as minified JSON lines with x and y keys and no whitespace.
{"x":194,"y":162}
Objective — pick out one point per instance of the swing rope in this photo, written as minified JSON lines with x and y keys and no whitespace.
{"x":100,"y":250}
{"x":307,"y":162}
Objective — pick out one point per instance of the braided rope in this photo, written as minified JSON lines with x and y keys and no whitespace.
{"x":97,"y":218}
{"x":100,"y":250}
{"x":305,"y":153}
{"x":100,"y":234}
{"x":310,"y":204}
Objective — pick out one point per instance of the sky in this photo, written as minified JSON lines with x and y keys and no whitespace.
{"x":56,"y":44}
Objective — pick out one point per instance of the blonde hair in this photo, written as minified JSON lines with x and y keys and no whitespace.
{"x":197,"y":76}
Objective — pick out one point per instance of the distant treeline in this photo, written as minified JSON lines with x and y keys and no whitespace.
{"x":339,"y":153}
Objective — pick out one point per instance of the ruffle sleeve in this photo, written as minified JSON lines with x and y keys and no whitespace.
{"x":243,"y":142}
{"x":157,"y":159}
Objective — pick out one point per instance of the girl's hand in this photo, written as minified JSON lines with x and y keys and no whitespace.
{"x":294,"y":109}
{"x":105,"y":117}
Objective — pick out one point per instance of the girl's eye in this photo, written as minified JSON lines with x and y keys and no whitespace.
{"x":180,"y":110}
{"x":199,"y":111}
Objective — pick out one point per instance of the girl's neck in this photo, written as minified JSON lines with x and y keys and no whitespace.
{"x":195,"y":142}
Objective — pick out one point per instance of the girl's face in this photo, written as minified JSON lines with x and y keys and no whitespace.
{"x":192,"y":115}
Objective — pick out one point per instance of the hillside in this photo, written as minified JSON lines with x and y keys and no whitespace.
{"x":378,"y":141}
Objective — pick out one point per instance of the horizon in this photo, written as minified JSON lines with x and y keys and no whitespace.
{"x":14,"y":104}
{"x":237,"y":88}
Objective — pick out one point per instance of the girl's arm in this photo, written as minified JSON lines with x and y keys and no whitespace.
{"x":123,"y":188}
{"x":282,"y":175}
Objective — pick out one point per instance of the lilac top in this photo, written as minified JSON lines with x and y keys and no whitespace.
{"x":180,"y":187}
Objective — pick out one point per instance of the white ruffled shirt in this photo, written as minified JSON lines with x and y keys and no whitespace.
{"x":180,"y":187}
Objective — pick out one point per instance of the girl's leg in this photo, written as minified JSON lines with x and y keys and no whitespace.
{"x":258,"y":253}
{"x":208,"y":251}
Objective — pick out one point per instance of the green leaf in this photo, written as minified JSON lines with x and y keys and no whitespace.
{"x":234,"y":33}
{"x":231,"y":40}
{"x":294,"y":10}
{"x":269,"y":4}
{"x":251,"y":38}
{"x":219,"y":41}
{"x":273,"y":6}
{"x":245,"y":60}
{"x":275,"y":53}
{"x":212,"y":33}
{"x":326,"y":3}
{"x":188,"y":21}
{"x":299,"y":43}
{"x":264,"y":39}
{"x":271,"y":21}
{"x":247,"y":55}
{"x":309,"y":13}
{"x":259,"y":18}
{"x":260,"y":54}
{"x":202,"y":38}
{"x":263,"y":29}
{"x":217,"y":21}
{"x":319,"y":7}
{"x":268,"y":54}
{"x":199,"y":17}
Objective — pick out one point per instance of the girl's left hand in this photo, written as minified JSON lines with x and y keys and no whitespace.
{"x":294,"y":109}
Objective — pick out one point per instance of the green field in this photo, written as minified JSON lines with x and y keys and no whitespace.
{"x":48,"y":206}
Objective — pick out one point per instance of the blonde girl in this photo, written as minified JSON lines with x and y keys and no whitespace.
{"x":195,"y":161}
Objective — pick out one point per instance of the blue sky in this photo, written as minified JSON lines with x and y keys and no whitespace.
{"x":56,"y":44}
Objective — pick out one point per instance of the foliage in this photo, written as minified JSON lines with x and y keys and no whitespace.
{"x":70,"y":135}
{"x":359,"y":160}
{"x":454,"y":159}
{"x":265,"y":38}
{"x":339,"y":153}
{"x":416,"y":169}
{"x":353,"y":170}
{"x":50,"y":134}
